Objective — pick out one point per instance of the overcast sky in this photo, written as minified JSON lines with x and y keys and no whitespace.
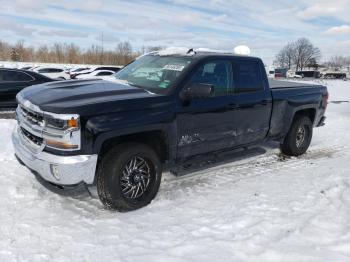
{"x":264,"y":25}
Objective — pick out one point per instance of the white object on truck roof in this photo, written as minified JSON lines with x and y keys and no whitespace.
{"x":242,"y":50}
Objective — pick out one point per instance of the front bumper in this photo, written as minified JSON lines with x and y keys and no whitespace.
{"x":69,"y":170}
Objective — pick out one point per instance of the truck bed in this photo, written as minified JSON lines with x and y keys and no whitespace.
{"x":287,"y":84}
{"x":287,"y":96}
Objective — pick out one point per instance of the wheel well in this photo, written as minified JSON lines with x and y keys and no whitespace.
{"x":311,"y":113}
{"x":154,"y":139}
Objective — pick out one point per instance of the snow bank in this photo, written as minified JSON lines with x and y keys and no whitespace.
{"x":262,"y":208}
{"x":6,"y":149}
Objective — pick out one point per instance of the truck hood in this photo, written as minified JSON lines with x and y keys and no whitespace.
{"x":86,"y":96}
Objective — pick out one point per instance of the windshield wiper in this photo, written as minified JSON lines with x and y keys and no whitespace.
{"x":128,"y":83}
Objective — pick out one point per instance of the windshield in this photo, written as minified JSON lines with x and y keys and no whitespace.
{"x":153,"y":71}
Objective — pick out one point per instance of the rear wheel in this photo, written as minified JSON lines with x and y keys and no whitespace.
{"x":298,"y":138}
{"x":128,"y":177}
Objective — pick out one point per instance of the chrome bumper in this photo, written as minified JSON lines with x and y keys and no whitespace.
{"x":69,"y":170}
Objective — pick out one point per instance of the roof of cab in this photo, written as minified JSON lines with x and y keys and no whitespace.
{"x":196,"y":53}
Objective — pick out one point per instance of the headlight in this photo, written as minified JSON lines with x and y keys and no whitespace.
{"x":62,"y":131}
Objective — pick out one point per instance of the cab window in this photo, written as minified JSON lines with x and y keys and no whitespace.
{"x":216,"y":73}
{"x":247,"y":76}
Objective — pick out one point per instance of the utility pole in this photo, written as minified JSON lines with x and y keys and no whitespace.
{"x":102,"y":48}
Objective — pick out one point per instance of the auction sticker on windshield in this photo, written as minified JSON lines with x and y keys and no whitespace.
{"x":174,"y":67}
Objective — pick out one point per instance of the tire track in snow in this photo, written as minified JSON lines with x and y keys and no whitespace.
{"x":215,"y":177}
{"x":246,"y":169}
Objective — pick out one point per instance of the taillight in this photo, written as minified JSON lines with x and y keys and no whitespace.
{"x":325,"y":100}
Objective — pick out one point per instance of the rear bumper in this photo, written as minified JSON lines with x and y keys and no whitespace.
{"x":59,"y":170}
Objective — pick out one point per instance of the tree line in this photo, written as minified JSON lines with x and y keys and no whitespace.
{"x":337,"y":62}
{"x":64,"y":53}
{"x":297,"y":55}
{"x":301,"y":54}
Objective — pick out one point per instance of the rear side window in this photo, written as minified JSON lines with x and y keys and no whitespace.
{"x":104,"y":74}
{"x":56,"y":70}
{"x":14,"y":76}
{"x":115,"y":69}
{"x":216,"y":73}
{"x":50,"y":70}
{"x":247,"y":76}
{"x":44,"y":70}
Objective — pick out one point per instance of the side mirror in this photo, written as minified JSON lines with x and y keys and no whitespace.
{"x":197,"y":90}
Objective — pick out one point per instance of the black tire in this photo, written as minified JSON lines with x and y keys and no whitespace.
{"x":294,"y":144}
{"x":112,"y":185}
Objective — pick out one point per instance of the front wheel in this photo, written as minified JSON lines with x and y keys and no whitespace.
{"x":298,"y":138}
{"x":128,"y":177}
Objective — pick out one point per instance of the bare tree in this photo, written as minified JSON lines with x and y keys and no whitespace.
{"x":298,"y":54}
{"x":284,"y":58}
{"x":347,"y":63}
{"x":42,"y":54}
{"x":58,"y":50}
{"x":5,"y":51}
{"x":336,"y":62}
{"x":304,"y":53}
{"x":72,"y":54}
{"x":124,"y":51}
{"x":19,"y":52}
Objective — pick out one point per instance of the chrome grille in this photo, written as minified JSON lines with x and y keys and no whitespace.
{"x":31,"y":125}
{"x":34,"y":139}
{"x":31,"y":117}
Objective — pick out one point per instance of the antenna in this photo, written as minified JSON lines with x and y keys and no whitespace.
{"x":191,"y":51}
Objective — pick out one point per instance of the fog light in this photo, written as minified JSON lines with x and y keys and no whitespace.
{"x":54,"y":171}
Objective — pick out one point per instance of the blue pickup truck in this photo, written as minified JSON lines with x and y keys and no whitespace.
{"x":159,"y":111}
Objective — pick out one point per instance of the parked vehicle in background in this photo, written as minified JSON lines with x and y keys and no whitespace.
{"x":101,"y":74}
{"x":115,"y":69}
{"x":163,"y":110}
{"x":75,"y":71}
{"x":53,"y":72}
{"x":335,"y":75}
{"x":281,"y":72}
{"x":14,"y":80}
{"x":308,"y":73}
{"x":271,"y":74}
{"x":26,"y":67}
{"x":291,"y":74}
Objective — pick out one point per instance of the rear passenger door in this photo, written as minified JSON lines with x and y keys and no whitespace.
{"x":250,"y":101}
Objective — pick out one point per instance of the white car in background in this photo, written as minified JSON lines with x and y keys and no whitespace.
{"x":101,"y":74}
{"x":53,"y":72}
{"x":292,"y":74}
{"x":89,"y":70}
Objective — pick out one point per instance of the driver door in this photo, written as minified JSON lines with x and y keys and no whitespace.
{"x":204,"y":124}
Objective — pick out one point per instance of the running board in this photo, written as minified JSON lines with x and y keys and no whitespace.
{"x":203,"y":162}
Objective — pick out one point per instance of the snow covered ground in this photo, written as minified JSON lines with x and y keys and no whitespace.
{"x":263,"y":208}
